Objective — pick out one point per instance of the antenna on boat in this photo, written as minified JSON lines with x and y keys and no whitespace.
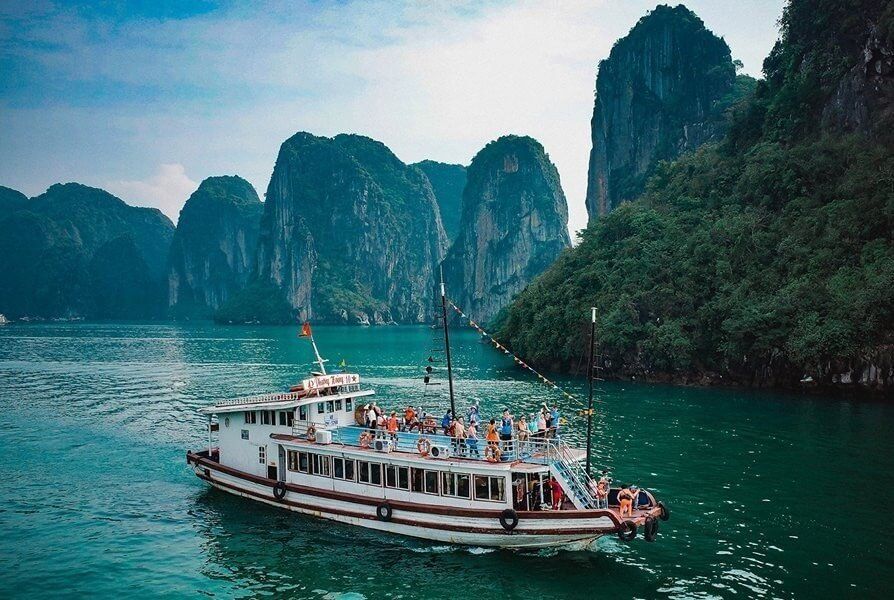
{"x":590,"y":369}
{"x":447,"y":343}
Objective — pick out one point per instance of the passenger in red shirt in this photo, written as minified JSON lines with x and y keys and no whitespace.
{"x":557,"y":493}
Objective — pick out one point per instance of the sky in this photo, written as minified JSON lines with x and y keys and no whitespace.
{"x":146,"y":99}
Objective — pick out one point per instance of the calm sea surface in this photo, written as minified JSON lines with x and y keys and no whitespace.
{"x":771,"y":495}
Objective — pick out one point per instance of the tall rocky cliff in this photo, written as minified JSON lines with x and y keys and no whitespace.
{"x":214,"y":249}
{"x":765,"y":260}
{"x":77,"y":251}
{"x":514,"y":225}
{"x":657,"y":94}
{"x":448,"y":182}
{"x":350,"y":233}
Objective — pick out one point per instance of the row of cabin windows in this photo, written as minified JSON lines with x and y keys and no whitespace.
{"x":426,"y":481}
{"x":268,"y":417}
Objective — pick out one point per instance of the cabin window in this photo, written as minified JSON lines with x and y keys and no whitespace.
{"x":330,"y":406}
{"x":397,"y":477}
{"x":262,"y":454}
{"x":349,"y":404}
{"x":338,"y":467}
{"x":268,"y":417}
{"x":370,"y":473}
{"x":490,"y":488}
{"x":282,"y":418}
{"x":302,"y":462}
{"x":251,"y":417}
{"x":338,"y":405}
{"x":245,"y":434}
{"x":293,"y":460}
{"x":349,"y":469}
{"x":302,"y":413}
{"x":320,"y":465}
{"x":455,"y":484}
{"x":321,"y":408}
{"x":431,"y":482}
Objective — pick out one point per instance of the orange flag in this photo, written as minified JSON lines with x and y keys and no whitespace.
{"x":305,"y":330}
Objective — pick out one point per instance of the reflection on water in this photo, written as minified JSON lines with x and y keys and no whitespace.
{"x":97,"y":499}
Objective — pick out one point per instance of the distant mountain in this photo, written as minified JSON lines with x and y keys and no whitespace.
{"x":77,"y":251}
{"x":349,"y":234}
{"x":448,"y":182}
{"x":514,"y":225}
{"x":663,"y":90}
{"x":214,"y":250}
{"x":11,"y":201}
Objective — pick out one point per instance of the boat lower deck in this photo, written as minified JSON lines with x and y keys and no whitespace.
{"x":501,"y":528}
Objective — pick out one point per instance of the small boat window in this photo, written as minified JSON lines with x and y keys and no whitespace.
{"x":302,"y":413}
{"x":349,"y":404}
{"x":320,"y":408}
{"x":293,"y":460}
{"x":456,"y":484}
{"x":349,"y":469}
{"x":330,"y":406}
{"x":251,"y":417}
{"x":268,"y":417}
{"x":262,"y":455}
{"x":370,"y":473}
{"x":302,"y":462}
{"x":397,"y":477}
{"x":320,"y":465}
{"x":338,"y":405}
{"x":490,"y":488}
{"x":431,"y":482}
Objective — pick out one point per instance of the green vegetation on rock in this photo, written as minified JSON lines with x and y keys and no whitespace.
{"x":757,"y":260}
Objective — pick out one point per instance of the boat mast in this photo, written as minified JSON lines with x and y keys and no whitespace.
{"x":590,"y":369}
{"x":320,"y":360}
{"x":447,"y":343}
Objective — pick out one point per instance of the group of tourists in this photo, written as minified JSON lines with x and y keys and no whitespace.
{"x":499,"y":435}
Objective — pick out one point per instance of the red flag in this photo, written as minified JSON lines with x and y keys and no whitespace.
{"x":305,"y":330}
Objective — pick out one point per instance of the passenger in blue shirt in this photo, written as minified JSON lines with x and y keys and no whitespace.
{"x":554,"y":415}
{"x":445,"y":422}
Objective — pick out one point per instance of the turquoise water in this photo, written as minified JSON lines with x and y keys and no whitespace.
{"x":772,"y":495}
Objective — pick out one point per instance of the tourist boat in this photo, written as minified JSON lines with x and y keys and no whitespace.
{"x":308,"y":450}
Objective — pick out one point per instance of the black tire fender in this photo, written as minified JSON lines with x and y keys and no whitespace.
{"x":384,"y":512}
{"x":650,"y":529}
{"x":665,"y":511}
{"x":509,"y":519}
{"x":627,"y":531}
{"x":279,"y":490}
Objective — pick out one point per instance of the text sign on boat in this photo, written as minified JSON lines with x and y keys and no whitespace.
{"x":324,"y":381}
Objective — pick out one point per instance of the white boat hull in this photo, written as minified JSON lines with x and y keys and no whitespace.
{"x":543,"y":531}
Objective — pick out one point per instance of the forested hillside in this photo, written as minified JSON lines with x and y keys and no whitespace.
{"x":767,"y":258}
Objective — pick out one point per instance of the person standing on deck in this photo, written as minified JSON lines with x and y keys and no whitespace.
{"x":554,"y":414}
{"x":556,"y":492}
{"x":472,"y":440}
{"x":459,"y":437}
{"x":392,"y":426}
{"x":491,"y":435}
{"x":370,"y":416}
{"x":446,"y":421}
{"x":506,"y":430}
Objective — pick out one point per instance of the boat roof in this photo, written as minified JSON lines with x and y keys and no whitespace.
{"x":275,"y":401}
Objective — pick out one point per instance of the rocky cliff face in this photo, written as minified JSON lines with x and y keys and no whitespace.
{"x":656,"y":96}
{"x":213,"y":252}
{"x":514,"y":225}
{"x":448,"y":182}
{"x":349,"y":232}
{"x":79,"y":251}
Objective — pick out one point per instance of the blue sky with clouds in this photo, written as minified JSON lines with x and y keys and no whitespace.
{"x":146,"y":99}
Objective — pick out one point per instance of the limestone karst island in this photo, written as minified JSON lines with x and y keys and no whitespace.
{"x":364,"y":299}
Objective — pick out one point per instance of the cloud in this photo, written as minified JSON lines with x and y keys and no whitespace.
{"x":92,"y":97}
{"x":166,"y":190}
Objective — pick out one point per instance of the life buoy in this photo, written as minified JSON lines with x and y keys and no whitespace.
{"x":383,"y":512}
{"x":365,"y":438}
{"x":424,"y":446}
{"x":650,"y":529}
{"x":311,"y":434}
{"x":665,"y":513}
{"x":627,"y":531}
{"x":492,"y":453}
{"x":279,"y":490}
{"x":509,"y":519}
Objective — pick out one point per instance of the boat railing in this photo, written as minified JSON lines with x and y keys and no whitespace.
{"x":575,"y":474}
{"x":262,"y":398}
